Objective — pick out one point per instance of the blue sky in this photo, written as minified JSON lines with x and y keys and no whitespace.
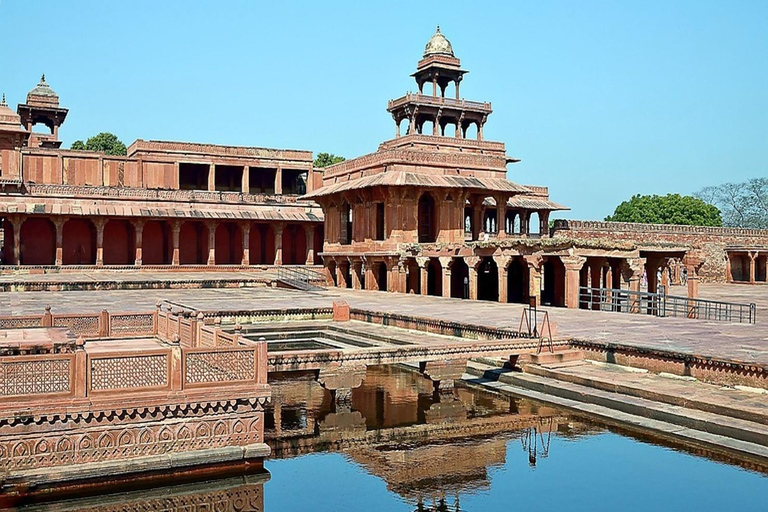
{"x":600,"y":99}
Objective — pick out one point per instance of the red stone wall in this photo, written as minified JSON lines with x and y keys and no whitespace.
{"x":712,"y":241}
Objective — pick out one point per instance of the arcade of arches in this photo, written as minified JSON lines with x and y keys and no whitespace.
{"x":100,"y":241}
{"x":508,"y":276}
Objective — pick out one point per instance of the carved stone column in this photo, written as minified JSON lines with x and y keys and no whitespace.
{"x":693,"y":261}
{"x":356,"y":270}
{"x":138,"y":230}
{"x":211,"y":227}
{"x":534,"y":276}
{"x":175,"y":231}
{"x":445,"y":264}
{"x":246,"y":181}
{"x":752,"y":257}
{"x":279,"y":227}
{"x":501,"y":218}
{"x":472,"y":263}
{"x":573,"y":266}
{"x":544,"y":224}
{"x":525,"y":222}
{"x":340,"y":380}
{"x":310,"y":232}
{"x":245,"y":229}
{"x":211,"y":177}
{"x":502,"y":264}
{"x":16,"y":221}
{"x":59,"y":222}
{"x":423,"y":275}
{"x":100,"y":222}
{"x":279,"y":181}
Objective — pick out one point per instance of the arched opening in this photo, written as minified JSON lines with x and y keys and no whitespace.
{"x":534,"y":224}
{"x":488,"y":280}
{"x":413,"y":281}
{"x":193,"y":243}
{"x":427,"y":127}
{"x":459,"y":279}
{"x":79,"y":242}
{"x":345,"y":223}
{"x":553,"y":279}
{"x":448,"y":129}
{"x":156,"y":247}
{"x":37,"y":242}
{"x":403,"y":125}
{"x":467,"y":223}
{"x":471,"y":131}
{"x":517,"y":281}
{"x":229,"y":244}
{"x":318,"y":241}
{"x":294,"y":245}
{"x":489,"y":221}
{"x":381,"y":276}
{"x":427,"y":218}
{"x":434,"y":277}
{"x":262,"y":245}
{"x":119,"y":243}
{"x":761,"y":269}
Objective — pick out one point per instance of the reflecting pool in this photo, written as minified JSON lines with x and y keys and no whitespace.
{"x":396,"y":446}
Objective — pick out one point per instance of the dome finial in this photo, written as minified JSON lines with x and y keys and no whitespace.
{"x":42,"y":79}
{"x":3,"y":102}
{"x":438,"y":29}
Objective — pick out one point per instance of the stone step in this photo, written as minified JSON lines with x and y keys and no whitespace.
{"x":559,"y":356}
{"x":691,"y":395}
{"x":726,"y":426}
{"x":640,"y":423}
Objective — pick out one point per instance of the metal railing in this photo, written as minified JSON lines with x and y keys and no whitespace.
{"x":661,"y":305}
{"x":301,"y":278}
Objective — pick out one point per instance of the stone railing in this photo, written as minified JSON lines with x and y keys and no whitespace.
{"x":151,"y":194}
{"x":217,"y":150}
{"x":439,"y":101}
{"x":443,"y":142}
{"x":89,"y":325}
{"x":631,"y":227}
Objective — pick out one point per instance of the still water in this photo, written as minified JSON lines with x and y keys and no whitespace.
{"x":398,"y":447}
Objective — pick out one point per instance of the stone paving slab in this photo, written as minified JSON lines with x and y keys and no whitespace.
{"x":745,"y":343}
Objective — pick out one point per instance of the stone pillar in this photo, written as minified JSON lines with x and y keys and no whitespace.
{"x":175,"y":230}
{"x":544,"y":224}
{"x":100,"y":222}
{"x":211,"y":177}
{"x":246,"y":185}
{"x":341,"y":277}
{"x":573,"y":266}
{"x":356,"y":270}
{"x":728,"y":270}
{"x":693,"y":261}
{"x":138,"y":230}
{"x":16,"y":223}
{"x":472,"y":263}
{"x":524,"y":222}
{"x":534,"y":272}
{"x":211,"y":227}
{"x":371,"y":280}
{"x":310,"y":232}
{"x":752,"y":256}
{"x":502,"y":263}
{"x":279,"y":181}
{"x":477,"y":219}
{"x":445,"y":264}
{"x":59,"y":224}
{"x":423,"y":277}
{"x":501,"y":218}
{"x":245,"y":229}
{"x":279,"y":227}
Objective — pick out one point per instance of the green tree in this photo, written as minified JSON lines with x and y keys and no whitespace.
{"x":105,"y":142}
{"x":743,"y":205}
{"x":326,"y":159}
{"x":668,"y":209}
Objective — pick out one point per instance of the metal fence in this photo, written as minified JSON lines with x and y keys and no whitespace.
{"x":661,"y":305}
{"x":301,"y":278}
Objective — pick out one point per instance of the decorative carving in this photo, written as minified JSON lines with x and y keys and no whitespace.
{"x":232,"y":365}
{"x":129,"y":372}
{"x":34,"y":377}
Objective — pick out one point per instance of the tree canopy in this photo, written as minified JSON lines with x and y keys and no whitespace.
{"x":743,"y":205}
{"x":106,"y":142}
{"x":326,"y":159}
{"x":668,"y":209}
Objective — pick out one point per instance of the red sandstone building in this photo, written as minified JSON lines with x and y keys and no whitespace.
{"x":164,"y":204}
{"x":432,"y":212}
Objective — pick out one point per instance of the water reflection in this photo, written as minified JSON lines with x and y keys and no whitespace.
{"x":429,"y":448}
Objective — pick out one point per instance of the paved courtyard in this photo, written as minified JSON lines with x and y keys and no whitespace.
{"x":746,"y":343}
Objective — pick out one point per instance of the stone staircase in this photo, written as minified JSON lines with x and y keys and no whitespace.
{"x":720,"y":419}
